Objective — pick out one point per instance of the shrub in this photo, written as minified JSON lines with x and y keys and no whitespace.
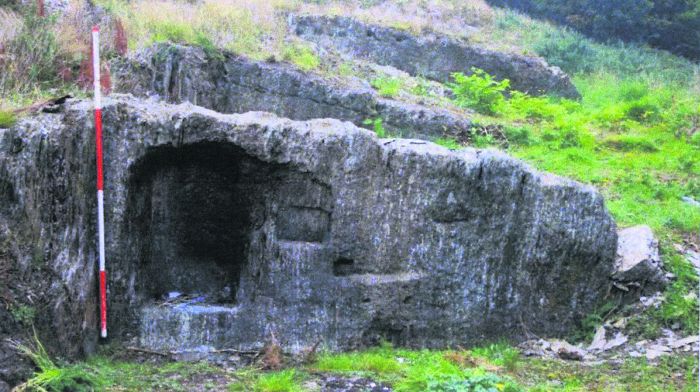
{"x":387,"y":86}
{"x":479,"y":91}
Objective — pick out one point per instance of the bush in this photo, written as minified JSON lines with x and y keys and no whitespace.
{"x":479,"y":91}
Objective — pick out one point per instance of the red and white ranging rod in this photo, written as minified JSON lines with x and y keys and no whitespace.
{"x":100,"y":179}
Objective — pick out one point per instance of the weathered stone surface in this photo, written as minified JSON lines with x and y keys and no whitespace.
{"x":235,"y":84}
{"x":431,"y":55}
{"x":401,"y":239}
{"x":638,"y":263}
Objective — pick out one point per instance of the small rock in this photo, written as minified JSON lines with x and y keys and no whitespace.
{"x":684,"y":342}
{"x":655,"y":351}
{"x":617,"y":341}
{"x":691,"y":201}
{"x":568,"y":351}
{"x":653,"y":300}
{"x":599,"y":341}
{"x":638,"y":259}
{"x":174,"y":294}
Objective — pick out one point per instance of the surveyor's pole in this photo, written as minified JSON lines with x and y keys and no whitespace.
{"x":100,"y":179}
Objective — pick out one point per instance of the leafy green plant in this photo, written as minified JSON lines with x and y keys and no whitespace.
{"x":377,"y":125}
{"x":387,"y":86}
{"x":479,"y":91}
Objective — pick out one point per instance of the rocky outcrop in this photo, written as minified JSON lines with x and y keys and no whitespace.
{"x":235,"y":84}
{"x":431,"y":55}
{"x":311,"y":230}
{"x":638,"y":266}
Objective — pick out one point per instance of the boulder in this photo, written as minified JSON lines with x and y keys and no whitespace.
{"x":308,"y":231}
{"x":638,"y":264}
{"x":431,"y":55}
{"x":235,"y":84}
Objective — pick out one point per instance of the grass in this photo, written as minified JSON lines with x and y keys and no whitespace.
{"x":7,"y":119}
{"x":387,"y":86}
{"x":494,"y":367}
{"x":448,"y":143}
{"x":302,"y":56}
{"x":288,"y":380}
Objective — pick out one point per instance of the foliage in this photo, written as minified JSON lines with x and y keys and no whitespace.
{"x":479,"y":91}
{"x":377,"y":125}
{"x":387,"y":86}
{"x":672,"y":24}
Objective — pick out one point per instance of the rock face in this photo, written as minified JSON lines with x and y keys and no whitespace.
{"x":234,"y":84}
{"x":638,"y":264}
{"x":308,"y":230}
{"x":431,"y":55}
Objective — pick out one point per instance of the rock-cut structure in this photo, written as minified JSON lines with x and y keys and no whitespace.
{"x":223,"y":229}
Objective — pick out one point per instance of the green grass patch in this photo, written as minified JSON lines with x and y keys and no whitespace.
{"x":288,"y":380}
{"x":387,"y":86}
{"x":377,"y":125}
{"x":446,"y":142}
{"x":302,"y":56}
{"x":7,"y":119}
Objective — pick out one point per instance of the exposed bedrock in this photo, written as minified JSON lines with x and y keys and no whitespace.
{"x":235,"y":84}
{"x":252,"y":224}
{"x":431,"y":55}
